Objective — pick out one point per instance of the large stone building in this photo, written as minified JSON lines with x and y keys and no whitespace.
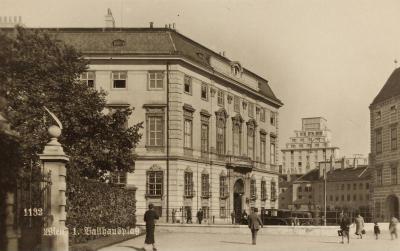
{"x":210,"y":132}
{"x":385,"y":150}
{"x":348,"y":187}
{"x":307,"y":147}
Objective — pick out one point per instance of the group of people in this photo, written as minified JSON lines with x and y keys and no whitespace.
{"x":199,"y":215}
{"x":242,"y":217}
{"x":345,"y":224}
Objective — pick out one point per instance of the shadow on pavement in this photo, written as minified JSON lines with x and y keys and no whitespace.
{"x":235,"y":242}
{"x":135,"y":248}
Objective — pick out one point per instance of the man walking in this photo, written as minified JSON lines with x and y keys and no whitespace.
{"x":345,"y":227}
{"x":255,"y":223}
{"x":173,"y":215}
{"x":200,"y":215}
{"x":149,"y":217}
{"x":188,"y":215}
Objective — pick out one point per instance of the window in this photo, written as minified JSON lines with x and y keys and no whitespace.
{"x":360,"y":186}
{"x":273,"y":191}
{"x":204,"y":91}
{"x":253,"y":189}
{"x":354,"y":197}
{"x":393,"y":109}
{"x":119,"y":79}
{"x":378,"y":138}
{"x":154,"y":183}
{"x":223,"y":187}
{"x":348,"y":186}
{"x":342,"y":197}
{"x":378,"y":115}
{"x":262,"y":114}
{"x":188,"y":133}
{"x":379,"y":177}
{"x":205,"y":186}
{"x":393,"y":138}
{"x":272,"y":150}
{"x":250,"y":141}
{"x":251,"y":110}
{"x":300,"y":189}
{"x":263,"y":190}
{"x":367,"y":186}
{"x":393,"y":175}
{"x":237,"y":135}
{"x":118,"y":178}
{"x":156,"y":80}
{"x":188,"y":85}
{"x":188,"y":185}
{"x":272,"y":118}
{"x":220,"y":135}
{"x":155,"y":128}
{"x":299,"y":164}
{"x":220,"y":98}
{"x":88,"y":78}
{"x":263,"y":145}
{"x":348,"y":197}
{"x":354,"y":186}
{"x":204,"y":138}
{"x":236,"y":104}
{"x":342,"y":186}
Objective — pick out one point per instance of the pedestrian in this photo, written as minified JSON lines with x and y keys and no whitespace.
{"x":233,"y":217}
{"x":393,"y":227}
{"x":377,"y":231}
{"x":173,"y":215}
{"x":188,"y":215}
{"x":254,"y":223}
{"x":244,"y":217}
{"x":150,"y":217}
{"x":359,"y":225}
{"x":345,"y":227}
{"x":200,"y":215}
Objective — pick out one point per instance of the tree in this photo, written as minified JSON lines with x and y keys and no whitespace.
{"x":37,"y":71}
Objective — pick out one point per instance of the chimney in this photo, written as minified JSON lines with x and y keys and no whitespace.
{"x":223,"y":53}
{"x":151,"y":25}
{"x":109,"y":19}
{"x":166,"y":26}
{"x":169,"y":26}
{"x":342,"y":167}
{"x":173,"y":26}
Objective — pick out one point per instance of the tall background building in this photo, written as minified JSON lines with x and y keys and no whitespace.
{"x":308,"y":146}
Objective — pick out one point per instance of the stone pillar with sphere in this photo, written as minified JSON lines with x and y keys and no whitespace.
{"x":54,"y":160}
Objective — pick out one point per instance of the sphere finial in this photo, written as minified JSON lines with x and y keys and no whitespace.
{"x":54,"y":131}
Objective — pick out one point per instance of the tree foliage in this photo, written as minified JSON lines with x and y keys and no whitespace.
{"x":36,"y":71}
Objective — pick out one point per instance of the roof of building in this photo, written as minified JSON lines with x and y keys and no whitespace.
{"x":390,"y":89}
{"x":147,"y":42}
{"x":346,"y":174}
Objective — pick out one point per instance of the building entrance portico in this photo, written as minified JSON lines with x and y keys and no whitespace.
{"x":392,"y":205}
{"x":238,"y":192}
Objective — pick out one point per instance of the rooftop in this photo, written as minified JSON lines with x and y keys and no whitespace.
{"x":390,"y":89}
{"x":346,"y":174}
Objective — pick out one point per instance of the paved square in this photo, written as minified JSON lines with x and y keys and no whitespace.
{"x":232,"y":242}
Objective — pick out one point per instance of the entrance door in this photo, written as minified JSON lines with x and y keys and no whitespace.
{"x":392,"y":203}
{"x":238,"y":191}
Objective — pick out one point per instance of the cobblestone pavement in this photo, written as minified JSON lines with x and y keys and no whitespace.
{"x":233,"y":242}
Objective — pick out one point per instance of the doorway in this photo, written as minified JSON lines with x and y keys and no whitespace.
{"x":392,"y":203}
{"x":238,"y":191}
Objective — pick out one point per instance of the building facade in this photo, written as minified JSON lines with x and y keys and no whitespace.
{"x":385,"y":151}
{"x":307,"y":147}
{"x":210,"y":131}
{"x":348,"y":188}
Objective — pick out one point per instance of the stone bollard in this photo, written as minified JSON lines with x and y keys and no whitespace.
{"x":55,"y":236}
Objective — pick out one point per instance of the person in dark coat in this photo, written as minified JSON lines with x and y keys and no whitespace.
{"x":200,"y":215}
{"x":345,"y":227}
{"x":244,"y":217}
{"x":377,"y":230}
{"x":188,"y":215}
{"x":233,"y":217}
{"x":150,"y":217}
{"x":255,"y":224}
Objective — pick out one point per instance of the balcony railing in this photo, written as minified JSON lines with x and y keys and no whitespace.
{"x":239,"y":161}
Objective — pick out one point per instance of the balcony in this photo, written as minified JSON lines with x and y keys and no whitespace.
{"x":239,"y":162}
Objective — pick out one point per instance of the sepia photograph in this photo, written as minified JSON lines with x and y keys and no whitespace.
{"x":134,"y":125}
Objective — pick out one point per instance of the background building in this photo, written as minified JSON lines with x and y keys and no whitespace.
{"x":210,"y":132}
{"x":307,"y":147}
{"x":385,"y":154}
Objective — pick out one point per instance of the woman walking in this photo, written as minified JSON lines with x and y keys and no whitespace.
{"x":393,"y":227}
{"x":149,"y":217}
{"x":345,"y":227}
{"x":359,"y":225}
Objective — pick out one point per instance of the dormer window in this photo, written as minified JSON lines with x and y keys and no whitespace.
{"x":236,"y":69}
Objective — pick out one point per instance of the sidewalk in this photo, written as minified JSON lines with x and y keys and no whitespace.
{"x":239,"y":242}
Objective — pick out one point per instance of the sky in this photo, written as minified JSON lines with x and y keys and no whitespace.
{"x":321,"y":58}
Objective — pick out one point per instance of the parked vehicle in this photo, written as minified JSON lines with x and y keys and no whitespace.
{"x":286,"y":217}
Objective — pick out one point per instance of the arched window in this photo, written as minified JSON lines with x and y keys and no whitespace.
{"x":221,"y":117}
{"x":237,"y":134}
{"x":251,"y":125}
